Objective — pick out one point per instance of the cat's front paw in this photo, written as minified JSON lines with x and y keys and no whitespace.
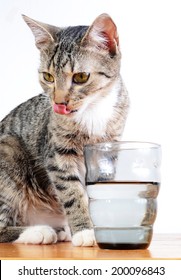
{"x":38,"y":235}
{"x":64,"y":235}
{"x":84,"y":238}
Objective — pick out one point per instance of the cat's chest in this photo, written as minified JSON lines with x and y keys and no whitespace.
{"x":97,"y":112}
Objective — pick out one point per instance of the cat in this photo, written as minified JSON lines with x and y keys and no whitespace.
{"x":84,"y":101}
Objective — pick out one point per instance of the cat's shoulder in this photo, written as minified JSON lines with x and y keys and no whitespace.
{"x":40,"y":100}
{"x":31,"y":109}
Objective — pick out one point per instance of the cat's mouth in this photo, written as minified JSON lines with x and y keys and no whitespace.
{"x":62,"y":109}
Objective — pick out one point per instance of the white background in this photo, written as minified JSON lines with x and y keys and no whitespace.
{"x":150,"y":40}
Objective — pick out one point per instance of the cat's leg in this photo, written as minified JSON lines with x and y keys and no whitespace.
{"x":76,"y":209}
{"x":71,"y":193}
{"x":9,"y":191}
{"x":13,"y":182}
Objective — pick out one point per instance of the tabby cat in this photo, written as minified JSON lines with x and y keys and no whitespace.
{"x":42,"y":171}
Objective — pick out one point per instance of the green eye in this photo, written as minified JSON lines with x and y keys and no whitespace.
{"x":48,"y":77}
{"x":80,"y":78}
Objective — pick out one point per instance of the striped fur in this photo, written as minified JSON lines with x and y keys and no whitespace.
{"x":42,"y":171}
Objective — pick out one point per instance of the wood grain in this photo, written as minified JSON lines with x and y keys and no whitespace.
{"x":163,"y":246}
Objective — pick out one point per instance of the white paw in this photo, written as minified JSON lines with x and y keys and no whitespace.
{"x":64,"y":235}
{"x":84,"y":238}
{"x":38,"y":235}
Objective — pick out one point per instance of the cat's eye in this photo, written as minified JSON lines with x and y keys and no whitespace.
{"x":80,"y":78}
{"x":48,"y":77}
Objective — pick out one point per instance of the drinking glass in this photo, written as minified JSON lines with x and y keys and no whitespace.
{"x":123,"y":181}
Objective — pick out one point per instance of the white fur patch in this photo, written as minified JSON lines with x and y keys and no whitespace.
{"x":84,"y":238}
{"x":38,"y":235}
{"x":95,"y":113}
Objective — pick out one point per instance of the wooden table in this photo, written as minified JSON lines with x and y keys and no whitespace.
{"x":163,"y":246}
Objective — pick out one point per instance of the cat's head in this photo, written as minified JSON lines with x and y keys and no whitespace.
{"x":79,"y":65}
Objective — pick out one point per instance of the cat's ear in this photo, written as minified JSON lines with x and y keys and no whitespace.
{"x":44,"y":34}
{"x":102,"y":34}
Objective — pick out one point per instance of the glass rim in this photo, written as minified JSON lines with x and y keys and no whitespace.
{"x":124,"y":145}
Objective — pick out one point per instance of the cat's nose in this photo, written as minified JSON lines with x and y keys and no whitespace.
{"x":61,"y":97}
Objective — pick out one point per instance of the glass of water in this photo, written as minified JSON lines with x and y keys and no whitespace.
{"x":123,"y":181}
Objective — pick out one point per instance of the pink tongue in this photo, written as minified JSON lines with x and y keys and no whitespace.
{"x":61,"y":109}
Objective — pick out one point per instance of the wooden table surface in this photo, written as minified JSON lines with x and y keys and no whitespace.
{"x":163,"y":246}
